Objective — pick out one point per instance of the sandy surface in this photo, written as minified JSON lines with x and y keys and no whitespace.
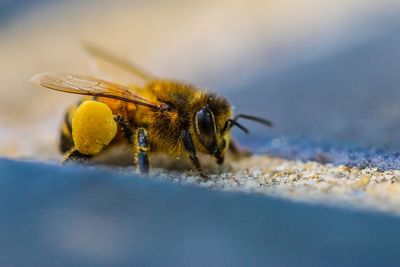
{"x":304,"y":181}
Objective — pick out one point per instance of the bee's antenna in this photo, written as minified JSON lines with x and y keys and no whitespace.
{"x":253,"y":118}
{"x":241,"y":127}
{"x":233,"y":122}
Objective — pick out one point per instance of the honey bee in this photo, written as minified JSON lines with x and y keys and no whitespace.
{"x":162,"y":116}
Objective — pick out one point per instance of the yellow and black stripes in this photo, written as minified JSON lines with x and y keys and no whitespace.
{"x":66,"y":141}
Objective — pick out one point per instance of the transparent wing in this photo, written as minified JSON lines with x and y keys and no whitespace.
{"x":114,"y":68}
{"x":87,"y":85}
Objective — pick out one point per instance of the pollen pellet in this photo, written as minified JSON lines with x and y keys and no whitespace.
{"x":93,"y":127}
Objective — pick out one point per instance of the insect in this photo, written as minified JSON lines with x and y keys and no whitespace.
{"x":161,"y":116}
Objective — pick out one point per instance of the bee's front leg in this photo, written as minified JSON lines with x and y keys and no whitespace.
{"x":129,"y":135}
{"x":189,"y":147}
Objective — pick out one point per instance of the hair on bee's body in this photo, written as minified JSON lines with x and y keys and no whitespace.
{"x":162,"y":116}
{"x":183,"y":99}
{"x":164,"y":127}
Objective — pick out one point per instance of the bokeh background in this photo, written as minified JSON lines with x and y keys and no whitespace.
{"x":325,"y":71}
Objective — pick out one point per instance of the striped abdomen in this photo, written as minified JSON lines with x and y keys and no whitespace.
{"x":66,"y":141}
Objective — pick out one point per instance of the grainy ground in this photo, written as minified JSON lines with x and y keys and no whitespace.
{"x":304,"y":181}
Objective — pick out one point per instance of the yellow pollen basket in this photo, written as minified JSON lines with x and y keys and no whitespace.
{"x":93,"y":127}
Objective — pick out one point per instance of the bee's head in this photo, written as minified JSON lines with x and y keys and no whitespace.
{"x":209,"y":122}
{"x":213,"y":123}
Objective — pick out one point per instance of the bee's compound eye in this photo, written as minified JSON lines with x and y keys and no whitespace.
{"x":205,"y":122}
{"x":205,"y":128}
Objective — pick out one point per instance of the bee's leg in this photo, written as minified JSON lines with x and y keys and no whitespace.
{"x":237,"y":152}
{"x":143,"y":149}
{"x":189,"y":147}
{"x":73,"y":155}
{"x":129,"y":134}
